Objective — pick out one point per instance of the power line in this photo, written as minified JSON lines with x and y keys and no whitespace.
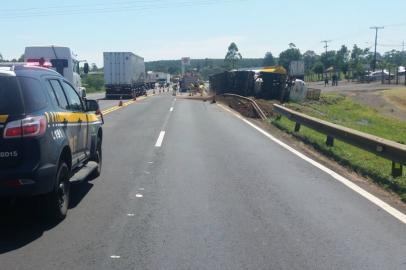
{"x":376,"y":28}
{"x":101,"y":9}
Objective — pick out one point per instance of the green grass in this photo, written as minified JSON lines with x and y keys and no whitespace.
{"x":90,"y":89}
{"x":93,"y":82}
{"x":340,"y":110}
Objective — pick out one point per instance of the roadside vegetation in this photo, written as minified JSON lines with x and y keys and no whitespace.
{"x":94,"y":82}
{"x":341,"y":110}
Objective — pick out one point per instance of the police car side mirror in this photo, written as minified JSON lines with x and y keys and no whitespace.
{"x":92,"y":105}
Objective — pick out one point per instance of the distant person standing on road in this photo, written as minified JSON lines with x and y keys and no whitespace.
{"x":325,"y":81}
{"x":334,"y":80}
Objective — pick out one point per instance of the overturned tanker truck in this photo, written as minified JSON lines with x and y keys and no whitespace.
{"x":267,"y":83}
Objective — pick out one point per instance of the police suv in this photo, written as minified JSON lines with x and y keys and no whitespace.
{"x":47,"y":135}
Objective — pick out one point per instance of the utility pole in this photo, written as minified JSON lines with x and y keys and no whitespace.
{"x":376,"y":28}
{"x":326,"y":42}
{"x":403,"y":46}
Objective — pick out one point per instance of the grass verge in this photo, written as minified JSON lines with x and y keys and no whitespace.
{"x":343,"y":111}
{"x":397,"y":97}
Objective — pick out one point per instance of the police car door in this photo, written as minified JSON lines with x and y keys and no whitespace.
{"x":61,"y":119}
{"x":77,"y":120}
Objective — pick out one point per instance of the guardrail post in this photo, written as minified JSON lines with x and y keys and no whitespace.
{"x":297,"y":127}
{"x":330,"y":140}
{"x":397,"y":169}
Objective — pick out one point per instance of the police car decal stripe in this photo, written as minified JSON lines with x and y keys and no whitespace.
{"x":74,"y":118}
{"x":3,"y":118}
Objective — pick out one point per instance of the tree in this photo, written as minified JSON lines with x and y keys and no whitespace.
{"x":1,"y":57}
{"x":310,"y":58}
{"x":342,"y":59}
{"x":318,"y":68}
{"x":394,"y":57}
{"x":232,"y":56}
{"x":328,"y":59}
{"x":93,"y":67}
{"x":21,"y":59}
{"x":174,"y":70}
{"x":359,"y":59}
{"x":291,"y":54}
{"x":268,"y":60}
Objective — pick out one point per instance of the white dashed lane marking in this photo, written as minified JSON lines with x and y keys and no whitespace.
{"x":160,"y":139}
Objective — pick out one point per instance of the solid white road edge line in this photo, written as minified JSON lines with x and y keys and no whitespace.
{"x":389,"y":209}
{"x":160,"y":139}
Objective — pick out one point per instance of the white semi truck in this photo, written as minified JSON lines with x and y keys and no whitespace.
{"x":60,"y":59}
{"x":162,"y":77}
{"x":124,"y":74}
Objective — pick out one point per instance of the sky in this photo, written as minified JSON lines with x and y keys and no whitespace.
{"x":171,"y":29}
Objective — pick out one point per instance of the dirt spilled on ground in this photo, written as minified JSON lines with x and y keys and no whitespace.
{"x":244,"y":107}
{"x":266,"y":106}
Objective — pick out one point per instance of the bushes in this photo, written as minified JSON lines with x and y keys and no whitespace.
{"x":93,"y":82}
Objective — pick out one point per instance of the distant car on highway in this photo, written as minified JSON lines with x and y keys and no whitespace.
{"x":47,"y":134}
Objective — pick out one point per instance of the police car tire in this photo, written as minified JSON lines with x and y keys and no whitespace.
{"x":58,"y":200}
{"x":98,"y":158}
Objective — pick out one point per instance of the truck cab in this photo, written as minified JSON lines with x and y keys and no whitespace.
{"x":60,"y":59}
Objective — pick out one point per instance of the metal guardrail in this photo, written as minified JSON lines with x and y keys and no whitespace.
{"x":258,"y":110}
{"x":387,"y":149}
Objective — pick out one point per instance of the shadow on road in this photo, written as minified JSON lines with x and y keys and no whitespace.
{"x":23,"y":221}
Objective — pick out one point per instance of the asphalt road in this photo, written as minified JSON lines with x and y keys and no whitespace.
{"x":108,"y":103}
{"x":208,"y":193}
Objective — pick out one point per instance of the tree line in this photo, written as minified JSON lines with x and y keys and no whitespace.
{"x":350,"y":62}
{"x":20,"y":59}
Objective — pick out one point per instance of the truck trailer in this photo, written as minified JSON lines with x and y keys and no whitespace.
{"x":124,"y":75}
{"x":188,"y":82}
{"x":151,"y":80}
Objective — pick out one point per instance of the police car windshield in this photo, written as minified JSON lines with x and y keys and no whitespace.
{"x":20,"y":95}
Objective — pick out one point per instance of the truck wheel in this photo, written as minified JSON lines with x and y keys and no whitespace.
{"x":98,"y":158}
{"x":57,"y":201}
